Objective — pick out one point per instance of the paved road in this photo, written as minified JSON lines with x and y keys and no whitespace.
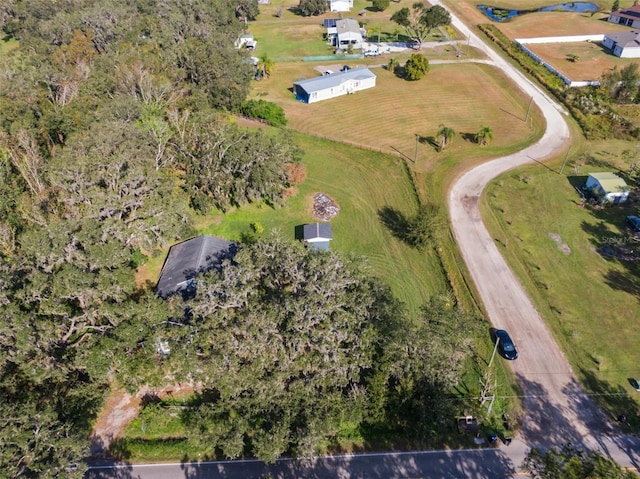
{"x":474,"y":463}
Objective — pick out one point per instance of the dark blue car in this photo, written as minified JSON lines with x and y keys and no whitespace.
{"x":633,"y":222}
{"x":505,"y":345}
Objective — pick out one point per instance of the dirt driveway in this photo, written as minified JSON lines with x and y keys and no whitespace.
{"x":557,"y":409}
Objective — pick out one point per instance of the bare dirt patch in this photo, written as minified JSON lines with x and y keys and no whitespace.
{"x":593,"y":59}
{"x":562,"y":246}
{"x":119,"y":410}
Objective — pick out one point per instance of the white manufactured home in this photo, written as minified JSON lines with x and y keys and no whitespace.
{"x":321,"y":88}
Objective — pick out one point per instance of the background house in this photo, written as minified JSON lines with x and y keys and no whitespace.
{"x":607,"y":187}
{"x":345,"y":33}
{"x":324,"y":87}
{"x":317,"y":235}
{"x":340,"y":5}
{"x":185,"y":260}
{"x":629,"y":17}
{"x":623,"y":44}
{"x":246,"y":40}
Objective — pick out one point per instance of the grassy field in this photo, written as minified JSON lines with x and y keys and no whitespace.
{"x":589,"y":300}
{"x":290,"y":37}
{"x":362,"y":183}
{"x":541,"y":24}
{"x":388,"y":117}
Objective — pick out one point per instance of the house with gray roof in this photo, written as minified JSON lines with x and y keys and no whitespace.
{"x":324,"y":87}
{"x":317,"y":236}
{"x":189,"y":258}
{"x":346,"y":33}
{"x":623,"y":44}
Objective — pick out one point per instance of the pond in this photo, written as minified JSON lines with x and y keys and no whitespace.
{"x":498,"y":14}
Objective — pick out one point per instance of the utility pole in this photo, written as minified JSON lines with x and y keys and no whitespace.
{"x":528,"y":109}
{"x":415,"y":156}
{"x":487,"y":381}
{"x":565,"y":159}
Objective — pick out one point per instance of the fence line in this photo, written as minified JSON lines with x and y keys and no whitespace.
{"x":521,"y":42}
{"x":350,"y":143}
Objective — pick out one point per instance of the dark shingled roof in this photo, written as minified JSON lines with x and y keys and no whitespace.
{"x":631,"y":12}
{"x":185,"y":260}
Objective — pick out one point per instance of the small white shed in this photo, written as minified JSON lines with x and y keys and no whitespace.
{"x":324,"y":87}
{"x":607,"y":188}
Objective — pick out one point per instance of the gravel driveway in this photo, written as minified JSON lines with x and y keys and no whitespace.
{"x":557,"y":409}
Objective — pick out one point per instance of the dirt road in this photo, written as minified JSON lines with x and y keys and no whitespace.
{"x":557,"y":410}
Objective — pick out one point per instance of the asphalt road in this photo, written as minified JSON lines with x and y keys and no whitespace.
{"x":473,"y":463}
{"x":557,"y":409}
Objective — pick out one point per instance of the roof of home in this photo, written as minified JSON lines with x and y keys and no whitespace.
{"x":626,"y":39}
{"x":335,"y":79}
{"x":185,"y":260}
{"x":347,"y":25}
{"x":317,"y":231}
{"x":631,"y":12}
{"x":610,"y":182}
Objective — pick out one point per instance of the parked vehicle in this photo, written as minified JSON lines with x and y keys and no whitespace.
{"x":633,"y":222}
{"x":506,"y":348}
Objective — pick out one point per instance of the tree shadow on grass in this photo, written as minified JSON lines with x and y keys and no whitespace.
{"x":396,"y":222}
{"x":616,"y":399}
{"x":431,"y":141}
{"x":470,"y":137}
{"x":619,"y":248}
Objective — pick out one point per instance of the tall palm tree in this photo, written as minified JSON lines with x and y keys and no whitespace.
{"x":266,"y":66}
{"x":445,"y":134}
{"x":484,"y":135}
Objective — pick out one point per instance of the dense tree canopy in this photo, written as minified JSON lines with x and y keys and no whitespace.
{"x":115,"y":134}
{"x":285,"y":338}
{"x":313,"y":7}
{"x":110,"y":111}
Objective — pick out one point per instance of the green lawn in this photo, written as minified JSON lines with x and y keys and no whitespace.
{"x":590,"y":301}
{"x":291,"y":37}
{"x":362,"y":183}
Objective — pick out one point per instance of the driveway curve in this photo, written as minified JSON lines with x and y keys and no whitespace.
{"x":557,"y":409}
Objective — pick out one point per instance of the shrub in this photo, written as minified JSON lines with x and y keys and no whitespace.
{"x":381,"y":5}
{"x":416,"y":67}
{"x":264,"y":110}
